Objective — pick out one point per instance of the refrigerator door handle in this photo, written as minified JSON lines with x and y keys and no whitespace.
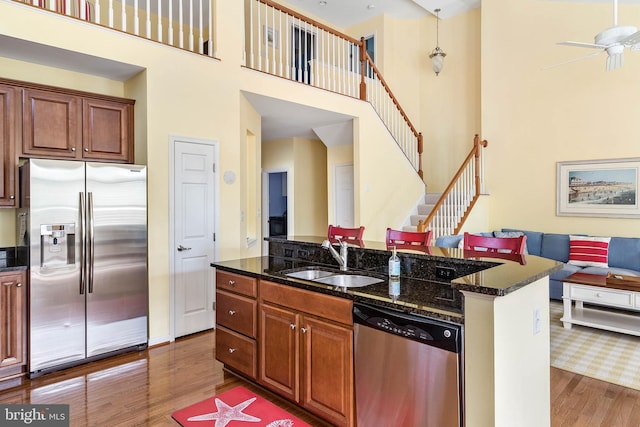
{"x":82,"y":245}
{"x":91,"y":247}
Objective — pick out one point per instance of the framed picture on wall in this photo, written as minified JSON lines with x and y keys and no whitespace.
{"x":599,"y":188}
{"x":270,"y":37}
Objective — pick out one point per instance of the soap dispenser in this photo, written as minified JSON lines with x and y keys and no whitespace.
{"x":394,"y":265}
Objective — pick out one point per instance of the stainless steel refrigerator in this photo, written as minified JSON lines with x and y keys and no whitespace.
{"x":84,"y":226}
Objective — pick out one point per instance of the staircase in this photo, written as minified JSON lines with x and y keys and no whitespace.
{"x":455,"y":204}
{"x":424,"y":209}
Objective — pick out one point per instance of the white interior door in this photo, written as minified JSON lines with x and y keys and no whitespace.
{"x":193,"y":242}
{"x":344,"y":205}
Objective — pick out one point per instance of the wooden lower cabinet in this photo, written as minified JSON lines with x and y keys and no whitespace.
{"x":305,"y":356}
{"x":13,"y":294}
{"x":237,"y":323}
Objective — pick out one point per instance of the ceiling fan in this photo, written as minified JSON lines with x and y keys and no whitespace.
{"x":611,"y":40}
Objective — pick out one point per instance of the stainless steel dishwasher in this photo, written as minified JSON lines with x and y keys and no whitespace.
{"x":408,"y":369}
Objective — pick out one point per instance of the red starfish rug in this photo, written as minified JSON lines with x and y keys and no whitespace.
{"x":235,"y":408}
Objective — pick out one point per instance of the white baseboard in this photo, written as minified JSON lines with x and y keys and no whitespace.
{"x":159,"y":340}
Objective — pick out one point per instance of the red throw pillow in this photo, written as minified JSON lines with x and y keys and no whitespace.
{"x":586,"y":251}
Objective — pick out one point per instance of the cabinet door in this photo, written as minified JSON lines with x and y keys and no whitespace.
{"x":8,"y":125}
{"x":51,"y":124}
{"x":327,"y":369}
{"x":12,"y":316}
{"x":279,"y":355}
{"x":107,"y":130}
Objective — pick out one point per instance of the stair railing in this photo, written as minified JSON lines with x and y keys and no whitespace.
{"x":284,"y":43}
{"x":454,"y":206}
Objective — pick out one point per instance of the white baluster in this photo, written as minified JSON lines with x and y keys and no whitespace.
{"x":110,"y":14}
{"x":260,"y":35}
{"x":181,"y":26}
{"x":200,"y":38}
{"x":170,"y":27}
{"x":191,"y":47}
{"x":123,"y":24}
{"x":287,"y":53}
{"x":96,"y":6}
{"x":159,"y":22}
{"x":281,"y":33}
{"x":67,"y":7}
{"x":148,"y":20}
{"x":275,"y":42}
{"x":136,"y":18}
{"x":210,"y":25}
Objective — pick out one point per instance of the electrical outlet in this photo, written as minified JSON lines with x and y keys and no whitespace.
{"x":303,"y":254}
{"x":446,"y":273}
{"x":537,"y":320}
{"x":288,"y":253}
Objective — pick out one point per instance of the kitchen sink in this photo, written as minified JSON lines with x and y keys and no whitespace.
{"x":348,"y":280}
{"x":311,"y":273}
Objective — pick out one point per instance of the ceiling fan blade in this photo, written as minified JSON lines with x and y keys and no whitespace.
{"x":631,"y":40}
{"x":573,"y":60}
{"x":581,"y":44}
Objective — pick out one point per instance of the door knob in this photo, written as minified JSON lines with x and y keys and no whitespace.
{"x":182,"y":248}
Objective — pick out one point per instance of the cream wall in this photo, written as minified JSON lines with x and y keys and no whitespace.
{"x":310,"y":191}
{"x":450,"y":102}
{"x":250,"y":122}
{"x":534,"y":118}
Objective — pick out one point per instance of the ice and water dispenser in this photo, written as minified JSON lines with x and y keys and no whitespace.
{"x":57,"y":245}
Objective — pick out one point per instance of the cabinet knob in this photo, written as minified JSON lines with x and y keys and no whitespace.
{"x":12,"y":197}
{"x":232,"y":282}
{"x":19,"y":284}
{"x":232,"y":312}
{"x":292,"y":326}
{"x":231,"y":350}
{"x":304,"y":330}
{"x":73,"y":148}
{"x":86,"y":150}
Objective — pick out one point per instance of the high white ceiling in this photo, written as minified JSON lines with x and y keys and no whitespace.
{"x":345,"y":13}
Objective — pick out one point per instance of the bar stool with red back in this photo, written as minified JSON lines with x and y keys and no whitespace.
{"x":420,"y":241}
{"x":507,"y":245}
{"x":349,"y":235}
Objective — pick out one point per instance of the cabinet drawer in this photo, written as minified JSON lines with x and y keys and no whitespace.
{"x":237,"y":313}
{"x":237,"y":283}
{"x":602,"y":296}
{"x":236,"y":351}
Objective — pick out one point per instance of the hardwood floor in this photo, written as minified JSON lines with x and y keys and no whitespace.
{"x":145,"y":388}
{"x":141,"y":388}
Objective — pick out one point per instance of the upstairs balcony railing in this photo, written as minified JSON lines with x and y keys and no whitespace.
{"x":278,"y":41}
{"x":284,"y":43}
{"x":185,"y":24}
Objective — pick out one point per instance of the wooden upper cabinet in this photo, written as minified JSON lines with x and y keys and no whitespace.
{"x":107,"y":131}
{"x":66,"y":124}
{"x":51,"y":124}
{"x":9,"y":98}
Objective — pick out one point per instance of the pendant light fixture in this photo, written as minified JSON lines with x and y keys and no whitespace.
{"x":437,"y":54}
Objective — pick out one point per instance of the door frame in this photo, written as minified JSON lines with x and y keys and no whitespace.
{"x":216,"y":214}
{"x":265,"y":204}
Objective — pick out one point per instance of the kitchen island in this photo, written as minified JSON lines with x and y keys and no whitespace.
{"x":501,"y":303}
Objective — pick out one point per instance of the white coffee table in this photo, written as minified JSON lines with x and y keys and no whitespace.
{"x":601,"y":297}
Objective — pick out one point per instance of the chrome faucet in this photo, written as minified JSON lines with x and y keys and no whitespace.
{"x":340,"y":257}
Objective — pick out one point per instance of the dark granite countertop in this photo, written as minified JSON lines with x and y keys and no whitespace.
{"x":420,"y":292}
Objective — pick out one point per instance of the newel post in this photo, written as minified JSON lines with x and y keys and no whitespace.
{"x":363,"y":58}
{"x":477,"y":144}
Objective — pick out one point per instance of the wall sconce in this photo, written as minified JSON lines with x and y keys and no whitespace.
{"x":437,"y":54}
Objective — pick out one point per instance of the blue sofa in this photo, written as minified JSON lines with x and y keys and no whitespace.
{"x":624,"y":255}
